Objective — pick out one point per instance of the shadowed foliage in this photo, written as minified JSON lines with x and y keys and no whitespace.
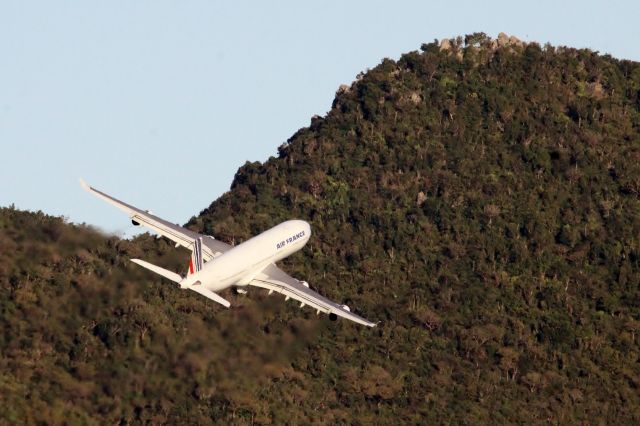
{"x":480,"y":200}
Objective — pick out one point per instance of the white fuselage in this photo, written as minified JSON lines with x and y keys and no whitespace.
{"x":242,"y":263}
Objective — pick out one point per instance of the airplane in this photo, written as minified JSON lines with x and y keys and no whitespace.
{"x":215,"y":265}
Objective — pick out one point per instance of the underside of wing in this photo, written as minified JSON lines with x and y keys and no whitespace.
{"x":179,"y":235}
{"x":275,"y":279}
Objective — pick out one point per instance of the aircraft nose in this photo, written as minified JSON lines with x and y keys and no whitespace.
{"x":298,"y":225}
{"x":302,"y":225}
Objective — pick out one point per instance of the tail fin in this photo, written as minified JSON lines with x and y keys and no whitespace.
{"x":177,"y":278}
{"x":158,"y":270}
{"x":196,"y":263}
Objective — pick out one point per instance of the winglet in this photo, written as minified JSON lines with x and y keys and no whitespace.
{"x":84,"y":185}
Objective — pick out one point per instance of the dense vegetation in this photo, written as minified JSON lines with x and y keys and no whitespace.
{"x":480,"y":199}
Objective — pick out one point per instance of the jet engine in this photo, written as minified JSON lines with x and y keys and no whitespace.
{"x":135,"y":223}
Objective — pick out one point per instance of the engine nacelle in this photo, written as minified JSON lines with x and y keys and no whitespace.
{"x":346,"y":308}
{"x":304,"y":283}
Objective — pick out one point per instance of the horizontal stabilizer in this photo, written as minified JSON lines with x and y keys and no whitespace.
{"x":158,"y":270}
{"x":177,"y":278}
{"x":210,"y":294}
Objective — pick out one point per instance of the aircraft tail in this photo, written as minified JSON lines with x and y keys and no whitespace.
{"x":177,"y":278}
{"x":158,"y":270}
{"x":196,"y":263}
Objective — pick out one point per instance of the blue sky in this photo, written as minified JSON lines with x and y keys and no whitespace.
{"x":159,"y":102}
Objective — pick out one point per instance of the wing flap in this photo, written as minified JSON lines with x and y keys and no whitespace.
{"x":273,"y":278}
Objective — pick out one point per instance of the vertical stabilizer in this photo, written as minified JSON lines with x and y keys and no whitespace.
{"x":196,"y":263}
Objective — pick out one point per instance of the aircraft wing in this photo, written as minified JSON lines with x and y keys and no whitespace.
{"x":275,"y":279}
{"x":179,"y":235}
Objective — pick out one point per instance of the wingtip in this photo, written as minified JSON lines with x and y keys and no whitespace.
{"x":84,"y":185}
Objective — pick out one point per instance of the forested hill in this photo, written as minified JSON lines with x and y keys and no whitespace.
{"x":478,"y":197}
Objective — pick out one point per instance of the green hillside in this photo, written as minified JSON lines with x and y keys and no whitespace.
{"x":478,"y":197}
